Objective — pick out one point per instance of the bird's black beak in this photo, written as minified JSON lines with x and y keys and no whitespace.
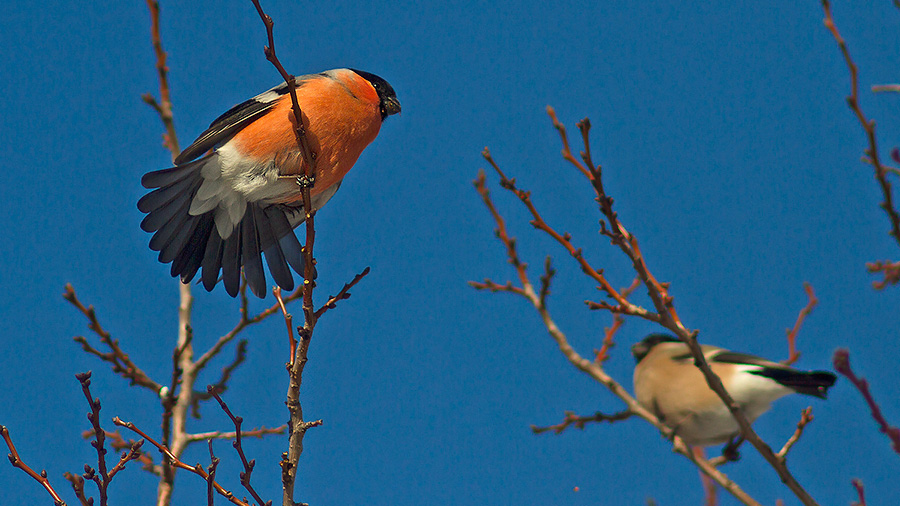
{"x":390,"y":105}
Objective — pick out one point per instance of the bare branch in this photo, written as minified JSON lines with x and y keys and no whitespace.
{"x":841,"y":361}
{"x":254,"y":433}
{"x":133,"y":453}
{"x":289,"y":322}
{"x":793,"y":354}
{"x":667,"y":316}
{"x":572,"y":419}
{"x":805,"y":418}
{"x":859,"y":492}
{"x":501,"y":233}
{"x":343,"y":294}
{"x":102,"y":480}
{"x":118,"y":443}
{"x":242,"y":324}
{"x":16,"y":461}
{"x":593,"y":369}
{"x":564,"y":240}
{"x":890,"y":270}
{"x":175,"y":408}
{"x":120,"y":361}
{"x":494,"y":287}
{"x":240,"y":354}
{"x":164,"y":106}
{"x":211,"y":475}
{"x":889,"y":88}
{"x":170,"y":457}
{"x":78,"y":486}
{"x":546,"y":279}
{"x":602,"y":355}
{"x":248,"y":466}
{"x":868,"y":125}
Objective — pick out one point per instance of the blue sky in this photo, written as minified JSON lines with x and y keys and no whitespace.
{"x":725,"y":140}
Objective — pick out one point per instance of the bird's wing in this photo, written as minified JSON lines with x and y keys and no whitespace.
{"x":225,"y":126}
{"x":731,"y":357}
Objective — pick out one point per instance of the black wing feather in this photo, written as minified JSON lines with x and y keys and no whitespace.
{"x":178,"y":242}
{"x":166,"y":177}
{"x":162,"y":196}
{"x":281,"y":273}
{"x":253,"y":268}
{"x":225,"y":127}
{"x":290,"y":246}
{"x":162,"y":215}
{"x":231,"y":263}
{"x":189,"y":260}
{"x":168,"y":230}
{"x":815,"y":383}
{"x":212,"y":261}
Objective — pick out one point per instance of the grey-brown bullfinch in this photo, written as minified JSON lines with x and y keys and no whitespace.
{"x":667,"y":382}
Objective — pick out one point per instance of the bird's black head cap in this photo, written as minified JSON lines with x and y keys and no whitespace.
{"x":389,"y":103}
{"x":641,"y":349}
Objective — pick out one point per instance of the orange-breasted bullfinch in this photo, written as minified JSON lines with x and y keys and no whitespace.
{"x":667,"y":382}
{"x":234,"y":193}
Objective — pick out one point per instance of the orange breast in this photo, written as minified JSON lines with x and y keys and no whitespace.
{"x":341,"y":119}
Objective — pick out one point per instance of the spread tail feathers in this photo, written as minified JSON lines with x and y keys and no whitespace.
{"x":194,"y":242}
{"x":815,"y":383}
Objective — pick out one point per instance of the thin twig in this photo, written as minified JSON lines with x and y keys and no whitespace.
{"x":491,"y":286}
{"x":868,"y":125}
{"x":240,"y":354}
{"x":889,"y":88}
{"x":163,"y":107}
{"x":16,"y":461}
{"x":546,"y":279}
{"x":258,"y":433}
{"x":564,"y":240}
{"x":860,"y":492}
{"x":78,"y":486}
{"x":510,"y":242}
{"x":793,"y":354}
{"x":572,"y":419}
{"x":118,"y":443}
{"x":102,"y":480}
{"x":805,"y":418}
{"x":628,"y":243}
{"x":242,"y":324}
{"x":211,"y":475}
{"x":248,"y":465}
{"x":170,"y":457}
{"x":841,"y":361}
{"x":289,"y":322}
{"x":890,"y":271}
{"x":120,"y":361}
{"x":602,"y":355}
{"x":343,"y":294}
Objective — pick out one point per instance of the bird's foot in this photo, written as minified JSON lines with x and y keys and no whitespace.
{"x":305,"y":181}
{"x":730,"y":452}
